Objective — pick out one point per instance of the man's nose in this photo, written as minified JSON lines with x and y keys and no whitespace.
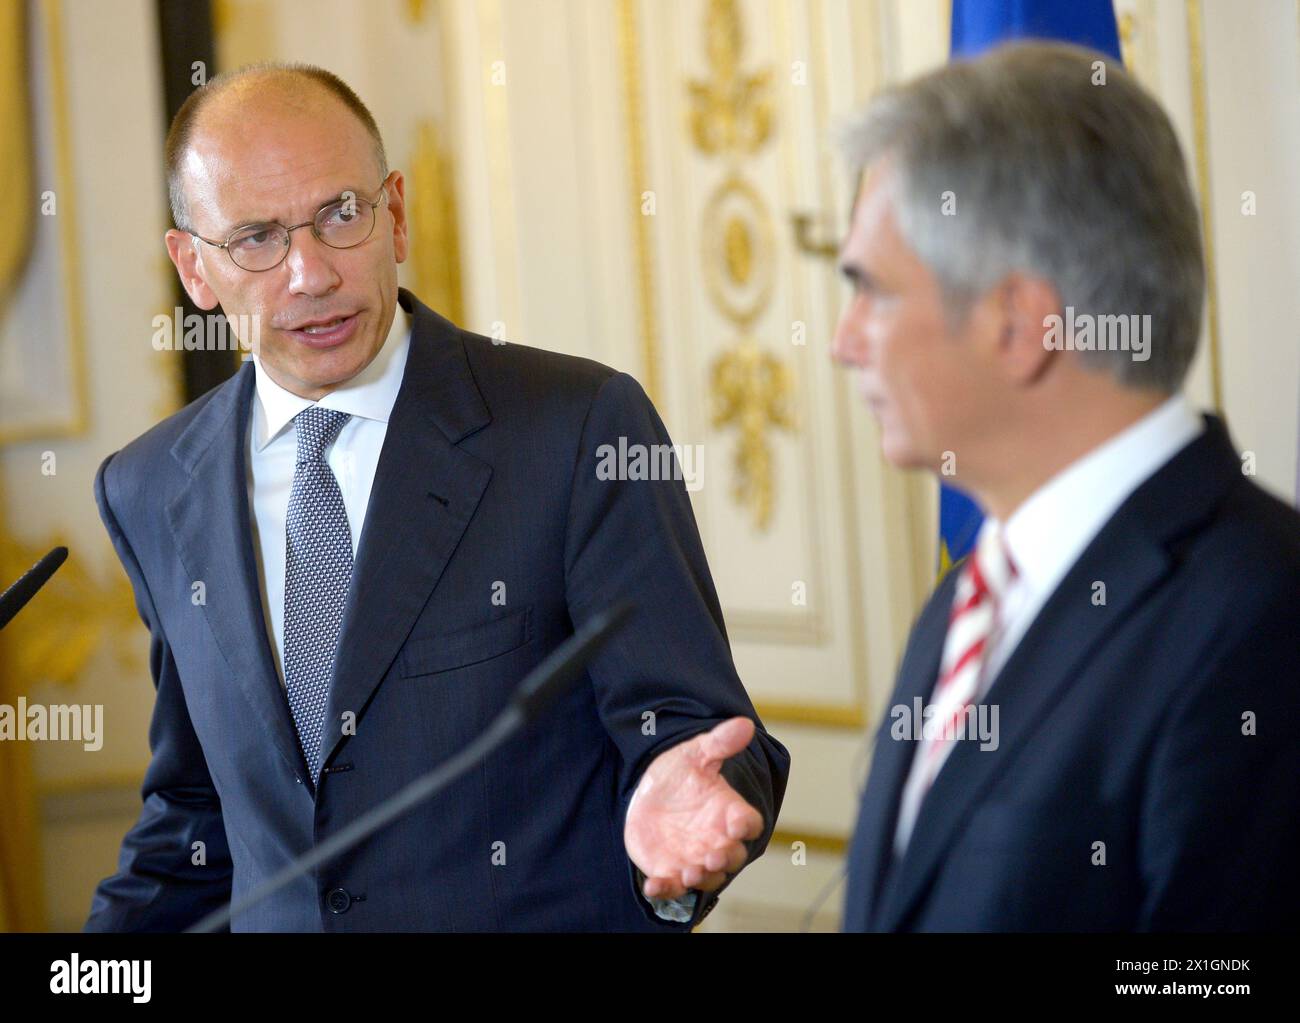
{"x":311,"y":265}
{"x":848,"y":343}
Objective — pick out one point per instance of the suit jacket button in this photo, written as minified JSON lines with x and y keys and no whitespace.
{"x":338,"y":900}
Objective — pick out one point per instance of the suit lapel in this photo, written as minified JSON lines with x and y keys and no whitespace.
{"x":1049,"y":658}
{"x":1131,"y":554}
{"x":879,"y":813}
{"x":425,"y":492}
{"x":210,"y":523}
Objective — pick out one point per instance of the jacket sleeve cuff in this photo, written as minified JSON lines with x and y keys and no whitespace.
{"x":679,"y":911}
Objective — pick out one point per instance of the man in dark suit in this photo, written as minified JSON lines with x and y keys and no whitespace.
{"x":1095,"y":720}
{"x":349,"y":554}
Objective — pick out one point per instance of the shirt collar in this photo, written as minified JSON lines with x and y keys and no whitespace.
{"x":370,"y":394}
{"x":1050,"y":529}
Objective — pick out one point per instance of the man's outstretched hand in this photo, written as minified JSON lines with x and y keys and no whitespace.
{"x":685,"y":825}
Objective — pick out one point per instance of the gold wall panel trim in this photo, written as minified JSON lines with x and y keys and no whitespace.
{"x":16,"y":152}
{"x":1200,"y":128}
{"x":777,"y":627}
{"x":435,"y":254}
{"x":732,"y":118}
{"x":823,"y":715}
{"x":856,"y":712}
{"x":811,"y":627}
{"x":815,"y":841}
{"x":757,"y":626}
{"x":500,"y":168}
{"x":634,"y":118}
{"x":69,"y":261}
{"x":110,"y":780}
{"x":1128,"y":31}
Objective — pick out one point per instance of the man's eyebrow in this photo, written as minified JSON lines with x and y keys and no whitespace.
{"x":331,"y":198}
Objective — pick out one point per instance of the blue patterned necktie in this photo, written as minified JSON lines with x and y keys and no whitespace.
{"x":317,"y":571}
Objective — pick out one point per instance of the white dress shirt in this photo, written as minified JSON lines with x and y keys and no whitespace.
{"x":1049,"y":531}
{"x":271,"y":451}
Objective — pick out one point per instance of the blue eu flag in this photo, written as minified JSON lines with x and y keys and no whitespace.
{"x":978,"y":25}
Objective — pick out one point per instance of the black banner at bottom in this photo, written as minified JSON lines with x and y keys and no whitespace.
{"x":1221,"y":973}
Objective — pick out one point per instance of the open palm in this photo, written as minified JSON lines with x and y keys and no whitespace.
{"x":686,"y":825}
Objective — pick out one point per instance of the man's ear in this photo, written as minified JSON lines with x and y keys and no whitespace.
{"x":181,"y":247}
{"x":1026,"y":304}
{"x":397,"y":206}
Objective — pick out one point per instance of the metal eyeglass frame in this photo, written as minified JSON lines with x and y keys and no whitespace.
{"x":383,"y":197}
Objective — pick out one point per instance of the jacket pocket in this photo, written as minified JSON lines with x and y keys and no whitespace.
{"x":463,"y":647}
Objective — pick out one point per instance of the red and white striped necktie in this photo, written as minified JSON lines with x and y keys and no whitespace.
{"x":971,"y":627}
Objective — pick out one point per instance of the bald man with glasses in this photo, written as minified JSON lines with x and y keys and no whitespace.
{"x":408,"y":519}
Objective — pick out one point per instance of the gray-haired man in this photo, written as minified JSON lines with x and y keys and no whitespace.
{"x":1119,"y":654}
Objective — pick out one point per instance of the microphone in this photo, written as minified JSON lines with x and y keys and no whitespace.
{"x":16,"y":597}
{"x":542,"y":686}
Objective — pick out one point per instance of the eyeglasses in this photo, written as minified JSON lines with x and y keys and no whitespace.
{"x":340,"y":224}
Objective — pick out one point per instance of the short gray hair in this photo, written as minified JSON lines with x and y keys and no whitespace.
{"x":1082,"y":184}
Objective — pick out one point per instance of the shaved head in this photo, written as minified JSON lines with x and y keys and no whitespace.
{"x":283,"y":89}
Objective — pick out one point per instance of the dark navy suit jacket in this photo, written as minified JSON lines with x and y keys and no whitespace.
{"x":487,"y":476}
{"x":1120,"y":724}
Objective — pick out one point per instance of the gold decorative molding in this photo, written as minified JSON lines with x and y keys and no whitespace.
{"x":634,"y":119}
{"x":222,"y":16}
{"x":732,"y":117}
{"x":814,"y":629}
{"x":854,"y":714}
{"x":496,"y":112}
{"x":814,"y":841}
{"x":1201,"y":137}
{"x":731,"y":112}
{"x":244,"y":32}
{"x":805,"y":628}
{"x":1128,"y":31}
{"x":172,"y":363}
{"x":751,"y":391}
{"x":849,"y":716}
{"x":74,"y":617}
{"x":809,"y":625}
{"x":738,"y":251}
{"x":68,"y":257}
{"x":1138,"y":45}
{"x":806,"y":240}
{"x":435,"y":253}
{"x":120,"y":780}
{"x":16,"y":149}
{"x":416,"y":10}
{"x":1136,"y":21}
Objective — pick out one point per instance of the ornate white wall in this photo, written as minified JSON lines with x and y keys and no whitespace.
{"x":590,"y":217}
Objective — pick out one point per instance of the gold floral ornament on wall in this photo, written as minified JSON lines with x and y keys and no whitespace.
{"x":731,"y":112}
{"x":751,"y":391}
{"x":731,"y":119}
{"x":69,"y":622}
